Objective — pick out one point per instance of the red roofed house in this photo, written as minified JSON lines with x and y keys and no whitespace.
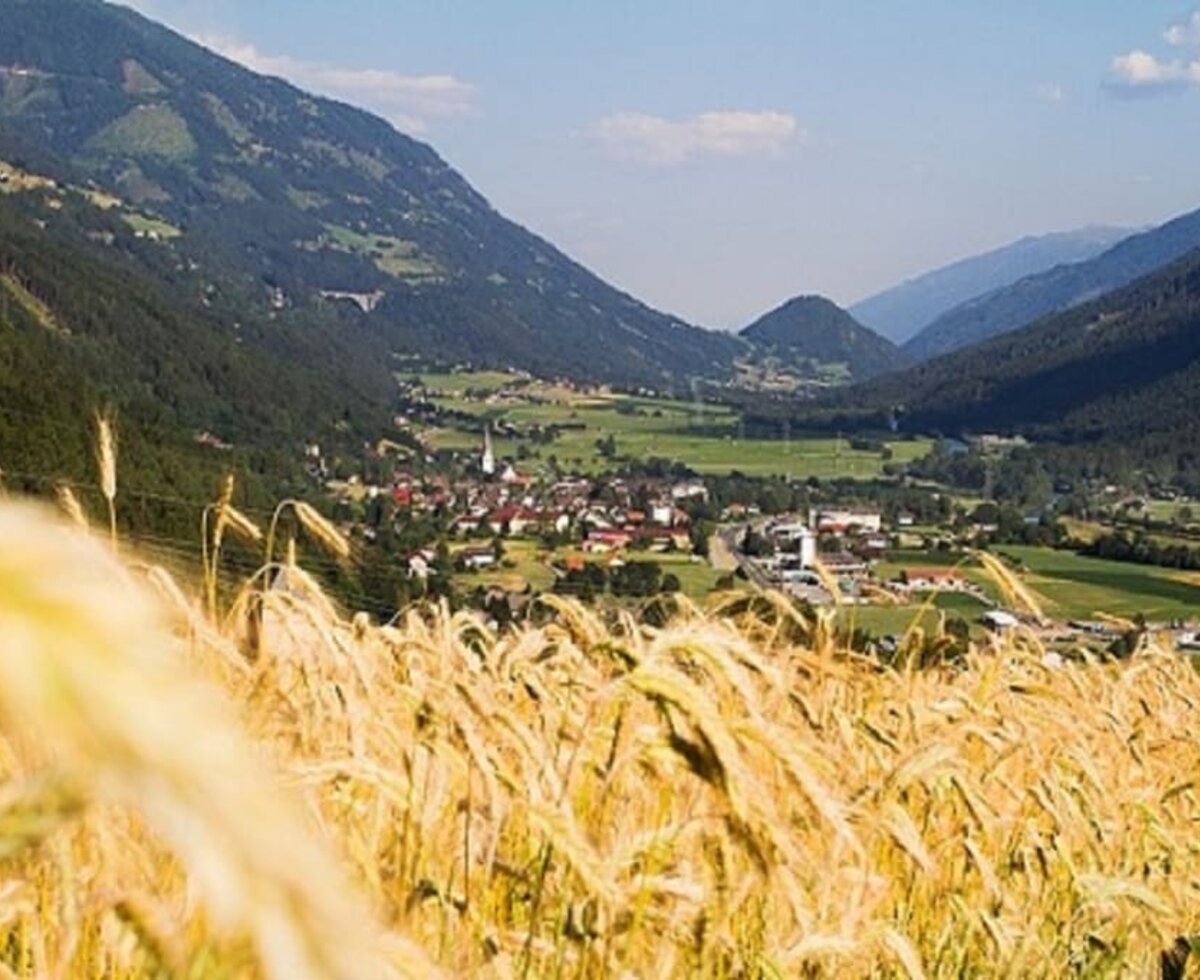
{"x":933,"y":579}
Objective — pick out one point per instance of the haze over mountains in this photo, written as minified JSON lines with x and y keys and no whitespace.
{"x":901,"y":312}
{"x":1057,"y":289}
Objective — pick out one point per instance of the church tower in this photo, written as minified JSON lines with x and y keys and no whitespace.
{"x":488,"y":462}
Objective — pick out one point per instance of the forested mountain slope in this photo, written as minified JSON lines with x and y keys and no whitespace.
{"x":310,"y":201}
{"x":813,"y":328}
{"x":1122,"y":369}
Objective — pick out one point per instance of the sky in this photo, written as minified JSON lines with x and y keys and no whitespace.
{"x":715,"y":157}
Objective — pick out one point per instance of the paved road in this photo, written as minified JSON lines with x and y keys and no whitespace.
{"x":721,"y":555}
{"x":730,"y":538}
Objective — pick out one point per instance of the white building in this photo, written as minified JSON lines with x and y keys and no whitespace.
{"x":837,"y":521}
{"x":488,"y":462}
{"x":999,"y":621}
{"x":798,"y":537}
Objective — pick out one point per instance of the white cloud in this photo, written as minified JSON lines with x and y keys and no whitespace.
{"x":1051,"y":92}
{"x":1184,"y":34}
{"x":411,"y":102}
{"x":641,"y":138}
{"x":1142,"y":70}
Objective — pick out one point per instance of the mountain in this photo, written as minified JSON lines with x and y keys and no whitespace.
{"x":814,"y":329}
{"x":78,"y":333}
{"x":1056,"y":290}
{"x":900,"y":313}
{"x":1114,"y":377}
{"x":305,"y":205}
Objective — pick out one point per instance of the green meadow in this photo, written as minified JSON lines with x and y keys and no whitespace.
{"x":703,"y":436}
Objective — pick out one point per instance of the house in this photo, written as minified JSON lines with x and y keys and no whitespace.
{"x":420,"y":564}
{"x":999,"y":621}
{"x":511,"y":478}
{"x":843,"y":564}
{"x":692,"y":490}
{"x":206,"y":438}
{"x":871,"y":545}
{"x":842,"y":520}
{"x":476,"y":559}
{"x":467,"y":524}
{"x":665,"y":538}
{"x":513,"y":519}
{"x":604,"y":541}
{"x":933,"y":579}
{"x":663,"y":514}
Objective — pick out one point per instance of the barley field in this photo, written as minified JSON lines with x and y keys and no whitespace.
{"x":198,"y":784}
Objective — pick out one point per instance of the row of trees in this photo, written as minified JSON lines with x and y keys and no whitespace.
{"x":1143,"y":550}
{"x":633,"y":580}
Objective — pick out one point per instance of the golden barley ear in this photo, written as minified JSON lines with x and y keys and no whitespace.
{"x":242,"y":526}
{"x":99,"y":681}
{"x":1014,"y":592}
{"x":106,"y":463}
{"x":106,"y":454}
{"x":69,"y":504}
{"x":323,"y":530}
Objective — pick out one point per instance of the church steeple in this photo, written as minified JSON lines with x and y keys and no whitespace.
{"x":488,"y":462}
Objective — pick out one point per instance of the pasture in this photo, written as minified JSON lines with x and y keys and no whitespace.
{"x":706,"y":437}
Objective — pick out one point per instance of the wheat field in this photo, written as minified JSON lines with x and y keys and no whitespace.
{"x":204,"y":785}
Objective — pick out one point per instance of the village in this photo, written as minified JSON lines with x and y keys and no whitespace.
{"x":505,"y":535}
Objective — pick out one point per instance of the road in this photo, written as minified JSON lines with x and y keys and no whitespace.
{"x":729,"y":538}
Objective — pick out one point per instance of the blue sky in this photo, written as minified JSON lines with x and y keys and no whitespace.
{"x":715,"y":158}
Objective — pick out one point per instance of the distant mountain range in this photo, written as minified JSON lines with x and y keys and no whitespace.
{"x":814,"y":329}
{"x":216,"y":252}
{"x":900,"y":313}
{"x":1119,"y":373}
{"x":1057,"y":289}
{"x":302,"y":202}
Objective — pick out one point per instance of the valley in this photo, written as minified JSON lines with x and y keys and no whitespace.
{"x":401,"y":581}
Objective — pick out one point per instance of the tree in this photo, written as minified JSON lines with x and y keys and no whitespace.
{"x":637,"y":579}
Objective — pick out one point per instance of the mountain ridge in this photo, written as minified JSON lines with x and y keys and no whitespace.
{"x":1034,"y":297}
{"x":309,"y":197}
{"x":1114,"y":377}
{"x":902,"y":311}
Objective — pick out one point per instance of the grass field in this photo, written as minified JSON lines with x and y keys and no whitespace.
{"x":1168,"y":510}
{"x":646,"y":427}
{"x":395,"y":256}
{"x":525,"y":563}
{"x":527,"y":569}
{"x":897,"y":620}
{"x":1078,"y":587}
